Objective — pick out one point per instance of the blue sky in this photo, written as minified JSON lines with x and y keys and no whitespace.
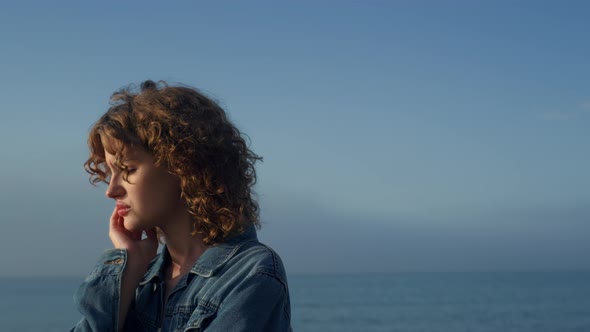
{"x":397,"y":135}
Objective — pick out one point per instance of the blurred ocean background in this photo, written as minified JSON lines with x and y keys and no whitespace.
{"x":416,"y":302}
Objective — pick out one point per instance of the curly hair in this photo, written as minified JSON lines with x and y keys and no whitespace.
{"x":190,"y":135}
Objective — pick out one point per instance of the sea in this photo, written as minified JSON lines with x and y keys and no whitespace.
{"x":556,"y":301}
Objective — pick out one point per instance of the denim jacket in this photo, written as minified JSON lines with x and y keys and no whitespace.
{"x":239,"y":285}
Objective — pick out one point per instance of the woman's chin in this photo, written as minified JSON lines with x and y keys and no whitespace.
{"x":132,"y":226}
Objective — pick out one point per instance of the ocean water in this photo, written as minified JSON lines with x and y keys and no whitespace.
{"x":414,"y":302}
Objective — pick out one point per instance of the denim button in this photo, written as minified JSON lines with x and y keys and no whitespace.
{"x":115,"y":261}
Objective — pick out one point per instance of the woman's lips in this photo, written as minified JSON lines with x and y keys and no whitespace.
{"x":123,"y":212}
{"x":122,"y":209}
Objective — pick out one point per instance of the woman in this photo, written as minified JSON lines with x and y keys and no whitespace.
{"x":180,"y":171}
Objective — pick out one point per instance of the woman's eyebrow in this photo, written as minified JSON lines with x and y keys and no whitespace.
{"x":124,"y":160}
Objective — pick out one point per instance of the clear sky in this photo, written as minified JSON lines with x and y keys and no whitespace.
{"x":397,"y":135}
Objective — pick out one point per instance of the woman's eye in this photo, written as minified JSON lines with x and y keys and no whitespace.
{"x":125,"y":168}
{"x":131,"y":170}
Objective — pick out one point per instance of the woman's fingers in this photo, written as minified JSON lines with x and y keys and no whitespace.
{"x":113,"y":220}
{"x":119,"y":235}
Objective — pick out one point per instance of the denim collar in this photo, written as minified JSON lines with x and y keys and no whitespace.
{"x":213,"y":259}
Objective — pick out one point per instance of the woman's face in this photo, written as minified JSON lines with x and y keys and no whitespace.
{"x":150,"y":197}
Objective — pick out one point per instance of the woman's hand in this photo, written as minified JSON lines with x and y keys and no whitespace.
{"x":139,"y":254}
{"x":140,"y":251}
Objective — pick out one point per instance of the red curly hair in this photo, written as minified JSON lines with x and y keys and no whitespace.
{"x":192,"y":137}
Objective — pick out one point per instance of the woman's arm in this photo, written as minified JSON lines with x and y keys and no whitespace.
{"x":97,"y":298}
{"x":139,"y":254}
{"x":105,"y":296}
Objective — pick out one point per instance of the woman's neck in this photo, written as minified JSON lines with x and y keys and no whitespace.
{"x":184,"y":249}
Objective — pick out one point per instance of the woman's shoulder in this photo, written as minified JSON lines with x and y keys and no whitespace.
{"x":258,"y":258}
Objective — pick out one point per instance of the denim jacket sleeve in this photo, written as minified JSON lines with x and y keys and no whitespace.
{"x":97,"y":298}
{"x":259,"y":303}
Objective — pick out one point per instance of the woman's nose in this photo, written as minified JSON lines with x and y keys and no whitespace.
{"x":115,"y":189}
